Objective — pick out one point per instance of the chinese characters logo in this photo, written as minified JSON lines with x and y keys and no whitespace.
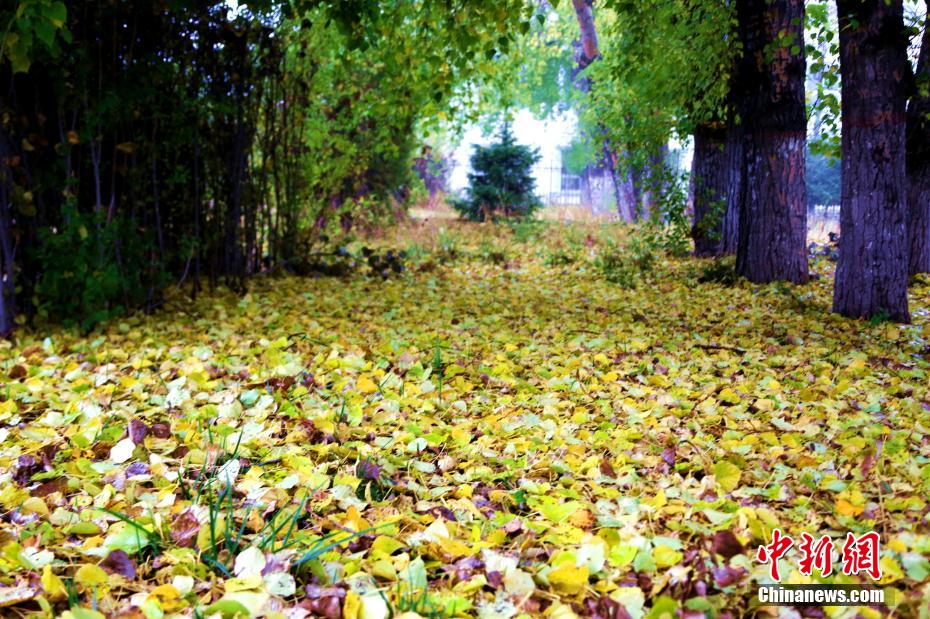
{"x":858,"y":555}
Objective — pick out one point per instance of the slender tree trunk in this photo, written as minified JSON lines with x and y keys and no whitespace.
{"x":918,"y":161}
{"x":636,"y":191}
{"x":589,"y":52}
{"x":610,"y":161}
{"x":871,"y":274}
{"x":657,"y":176}
{"x":584,"y":12}
{"x":716,"y":179}
{"x":773,"y":205}
{"x":7,"y":298}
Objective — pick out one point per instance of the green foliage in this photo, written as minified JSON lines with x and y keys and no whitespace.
{"x":823,"y":67}
{"x":720,"y":270}
{"x":580,"y":153}
{"x":33,"y":27}
{"x":823,"y":180}
{"x":447,"y":246}
{"x":561,"y":257}
{"x":668,"y":228}
{"x":501,"y":183}
{"x":491,"y":253}
{"x":664,"y":69}
{"x":627,"y":266}
{"x":240,"y":140}
{"x":526,"y":230}
{"x":92,"y":269}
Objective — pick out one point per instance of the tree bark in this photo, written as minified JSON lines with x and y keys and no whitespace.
{"x":656,"y":177}
{"x":7,"y":285}
{"x":871,"y":274}
{"x":918,"y":161}
{"x":587,"y":52}
{"x":584,"y":12}
{"x":716,"y":181}
{"x":772,"y":242}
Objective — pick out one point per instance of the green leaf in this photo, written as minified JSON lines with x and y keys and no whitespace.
{"x":227,"y":609}
{"x":57,"y":13}
{"x":45,"y":32}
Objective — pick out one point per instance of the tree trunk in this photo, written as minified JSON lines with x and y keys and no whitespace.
{"x":657,"y":177}
{"x":716,"y":180}
{"x":772,"y":241}
{"x":636,"y":190}
{"x":584,"y":12}
{"x":610,"y":161}
{"x":587,"y":52}
{"x":7,"y":298}
{"x":871,"y":274}
{"x":918,"y":161}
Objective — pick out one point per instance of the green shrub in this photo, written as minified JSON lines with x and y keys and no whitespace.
{"x":668,"y":228}
{"x":91,"y":269}
{"x":526,"y":230}
{"x":718,"y":271}
{"x":492,"y":254}
{"x":627,"y":266}
{"x":561,"y":257}
{"x":447,"y":246}
{"x":501,"y":182}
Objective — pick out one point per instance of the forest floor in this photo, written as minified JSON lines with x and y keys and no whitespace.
{"x":497,"y":431}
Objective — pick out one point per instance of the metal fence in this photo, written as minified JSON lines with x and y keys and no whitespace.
{"x":556,"y":187}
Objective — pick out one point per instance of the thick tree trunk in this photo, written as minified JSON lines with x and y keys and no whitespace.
{"x":871,"y":274}
{"x":716,"y":175}
{"x":918,"y":161}
{"x":773,"y":205}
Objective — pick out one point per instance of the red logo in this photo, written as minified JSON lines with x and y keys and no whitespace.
{"x":771,"y":553}
{"x":859,"y":555}
{"x":817,"y":554}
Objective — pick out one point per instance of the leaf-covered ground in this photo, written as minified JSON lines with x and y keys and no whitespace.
{"x":496,"y":432}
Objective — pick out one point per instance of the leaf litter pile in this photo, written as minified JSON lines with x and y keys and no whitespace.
{"x":497,"y":431}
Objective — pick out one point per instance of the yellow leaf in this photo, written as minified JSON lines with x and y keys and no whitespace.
{"x":562,"y":611}
{"x":35,"y":505}
{"x":891,"y":570}
{"x":53,"y":585}
{"x":243,"y":584}
{"x":568,"y":578}
{"x":658,"y":501}
{"x":386,"y":545}
{"x":665,"y":556}
{"x":728,"y":396}
{"x":383,"y":569}
{"x":366,"y":385}
{"x":846,"y":508}
{"x":90,"y":576}
{"x":727,"y":475}
{"x":167,"y":597}
{"x":583,"y":519}
{"x":351,"y":605}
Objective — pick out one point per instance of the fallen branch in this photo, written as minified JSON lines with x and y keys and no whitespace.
{"x":741,"y":351}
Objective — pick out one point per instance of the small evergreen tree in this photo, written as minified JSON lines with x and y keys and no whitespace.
{"x":501,"y":182}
